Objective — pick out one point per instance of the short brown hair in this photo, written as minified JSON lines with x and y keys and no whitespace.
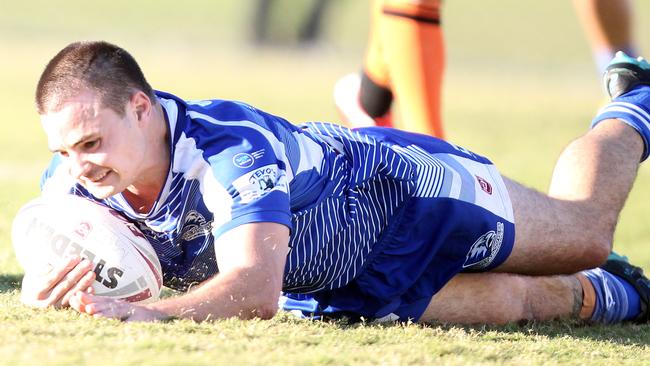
{"x":101,"y":67}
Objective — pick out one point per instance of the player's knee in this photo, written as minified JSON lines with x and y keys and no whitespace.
{"x":597,"y":254}
{"x":590,"y":245}
{"x":595,"y":249}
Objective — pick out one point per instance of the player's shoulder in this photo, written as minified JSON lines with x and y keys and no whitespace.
{"x":214,"y":110}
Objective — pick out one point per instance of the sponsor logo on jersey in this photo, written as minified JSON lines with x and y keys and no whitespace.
{"x":260,"y":182}
{"x":195,"y":226}
{"x":246,"y":160}
{"x":243,"y":160}
{"x":484,"y":249}
{"x":264,"y":179}
{"x":485,"y":185}
{"x":258,"y":154}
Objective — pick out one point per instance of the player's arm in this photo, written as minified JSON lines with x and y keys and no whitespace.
{"x":251,"y":261}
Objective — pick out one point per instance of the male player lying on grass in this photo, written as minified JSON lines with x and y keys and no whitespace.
{"x":372,"y":222}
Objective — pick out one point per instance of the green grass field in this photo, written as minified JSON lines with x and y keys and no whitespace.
{"x":520,"y":84}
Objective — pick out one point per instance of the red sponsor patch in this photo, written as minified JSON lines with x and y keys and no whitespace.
{"x":485,"y":185}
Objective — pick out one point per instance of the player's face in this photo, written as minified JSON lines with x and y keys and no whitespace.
{"x":104,"y":151}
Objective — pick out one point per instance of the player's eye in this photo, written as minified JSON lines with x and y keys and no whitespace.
{"x":62,"y":153}
{"x":90,"y":145}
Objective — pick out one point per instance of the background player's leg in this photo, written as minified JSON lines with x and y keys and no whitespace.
{"x":365,"y":100}
{"x":500,"y":298}
{"x":608,"y":26}
{"x":414,"y":51}
{"x":572,"y":228}
{"x":375,"y":94}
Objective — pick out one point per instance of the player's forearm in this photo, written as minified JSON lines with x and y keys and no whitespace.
{"x":226,"y":295}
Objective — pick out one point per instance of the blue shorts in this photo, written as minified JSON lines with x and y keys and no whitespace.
{"x":460,"y":223}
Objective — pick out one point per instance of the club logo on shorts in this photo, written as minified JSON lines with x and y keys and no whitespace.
{"x":484,"y":249}
{"x":485,"y":185}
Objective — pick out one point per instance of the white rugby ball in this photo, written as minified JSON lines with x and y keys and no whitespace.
{"x":46,"y":230}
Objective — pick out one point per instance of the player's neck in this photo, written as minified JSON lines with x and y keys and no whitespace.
{"x":142,"y":194}
{"x":141,"y":201}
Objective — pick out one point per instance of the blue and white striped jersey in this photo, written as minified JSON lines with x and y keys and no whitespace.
{"x":344,"y":194}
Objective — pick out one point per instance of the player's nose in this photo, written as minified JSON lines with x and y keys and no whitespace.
{"x":78,"y":166}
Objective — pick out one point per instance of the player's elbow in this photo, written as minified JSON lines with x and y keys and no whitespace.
{"x":263,"y":302}
{"x":267,"y":310}
{"x":260,"y":307}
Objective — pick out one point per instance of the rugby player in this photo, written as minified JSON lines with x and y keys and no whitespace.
{"x":240,"y":205}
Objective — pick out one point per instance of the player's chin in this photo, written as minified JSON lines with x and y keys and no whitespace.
{"x":103,"y":191}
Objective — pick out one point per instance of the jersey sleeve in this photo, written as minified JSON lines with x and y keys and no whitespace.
{"x":253,"y":170}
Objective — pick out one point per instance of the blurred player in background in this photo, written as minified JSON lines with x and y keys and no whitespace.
{"x":268,"y":20}
{"x":405,"y":61}
{"x":608,"y":25}
{"x":373,"y":222}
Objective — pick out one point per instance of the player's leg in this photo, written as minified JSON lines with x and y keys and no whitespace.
{"x":414,"y":52}
{"x":616,"y":293}
{"x":572,"y":227}
{"x":608,"y":26}
{"x":311,"y":29}
{"x":500,"y":298}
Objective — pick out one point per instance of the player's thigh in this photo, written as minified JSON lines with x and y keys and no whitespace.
{"x":552,"y":236}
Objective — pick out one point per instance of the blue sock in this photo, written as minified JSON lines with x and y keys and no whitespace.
{"x":633,"y":108}
{"x":616,"y":299}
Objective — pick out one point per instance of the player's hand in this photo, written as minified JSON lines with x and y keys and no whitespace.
{"x":105,"y":307}
{"x":55,"y":285}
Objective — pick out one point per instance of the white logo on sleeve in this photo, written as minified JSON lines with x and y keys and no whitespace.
{"x":260,"y":182}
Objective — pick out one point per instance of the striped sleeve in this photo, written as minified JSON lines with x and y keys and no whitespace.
{"x":633,"y":109}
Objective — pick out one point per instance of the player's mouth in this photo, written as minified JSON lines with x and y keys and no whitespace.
{"x":98,"y":178}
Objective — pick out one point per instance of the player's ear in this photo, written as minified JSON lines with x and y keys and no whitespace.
{"x":141,"y":105}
